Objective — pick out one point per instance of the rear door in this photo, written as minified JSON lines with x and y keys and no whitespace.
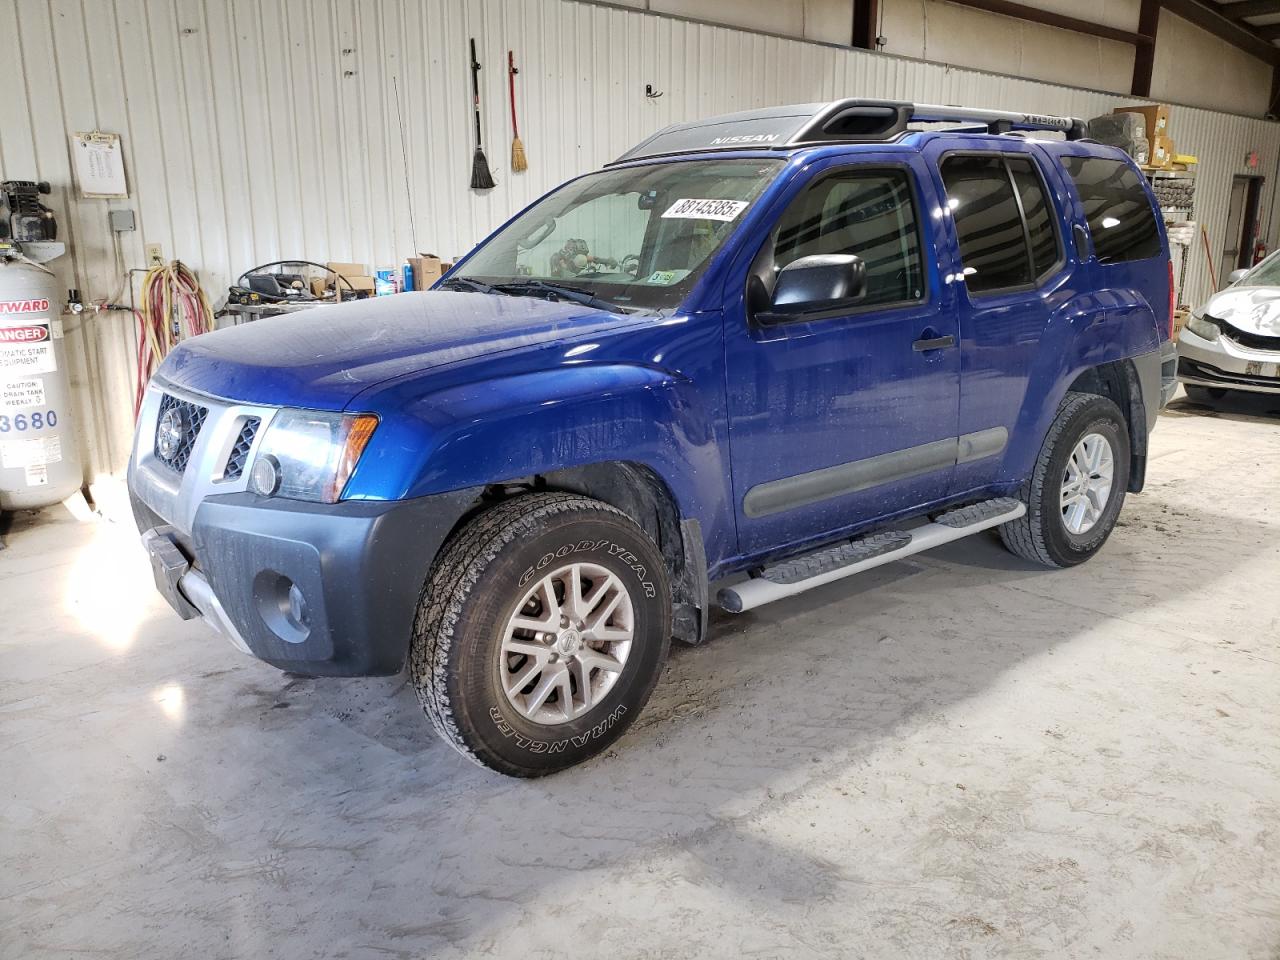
{"x":1010,"y":266}
{"x":843,"y":416}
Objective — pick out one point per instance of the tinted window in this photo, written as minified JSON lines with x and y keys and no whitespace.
{"x":1041,"y":222}
{"x":871,"y":215}
{"x":1116,"y":207}
{"x":993,"y":246}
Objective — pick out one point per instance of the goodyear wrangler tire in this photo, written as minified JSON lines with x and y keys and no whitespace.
{"x":1076,"y":491}
{"x":541,"y":633}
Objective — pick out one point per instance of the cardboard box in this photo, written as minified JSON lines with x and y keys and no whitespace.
{"x":1157,"y":119}
{"x":427,"y":269}
{"x":1179,"y":321}
{"x":1162,"y":153}
{"x":354,"y":285}
{"x":348,"y":269}
{"x":318,"y":286}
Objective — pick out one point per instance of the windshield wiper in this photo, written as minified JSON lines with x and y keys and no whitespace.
{"x":561,"y":291}
{"x":466,"y":283}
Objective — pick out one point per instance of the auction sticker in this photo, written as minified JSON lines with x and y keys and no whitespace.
{"x":26,"y":347}
{"x":689,"y":209}
{"x":20,"y":394}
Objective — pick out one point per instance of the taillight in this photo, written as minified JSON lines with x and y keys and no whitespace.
{"x":1173,"y":302}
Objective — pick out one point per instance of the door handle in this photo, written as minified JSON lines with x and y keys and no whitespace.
{"x":933,"y":343}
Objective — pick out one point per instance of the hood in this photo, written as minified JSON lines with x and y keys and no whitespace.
{"x":1251,"y":309}
{"x":323,"y":357}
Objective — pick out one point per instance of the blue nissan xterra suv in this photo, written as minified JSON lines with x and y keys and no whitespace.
{"x":791,"y":343}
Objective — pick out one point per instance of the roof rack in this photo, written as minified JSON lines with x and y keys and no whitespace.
{"x":840,"y":121}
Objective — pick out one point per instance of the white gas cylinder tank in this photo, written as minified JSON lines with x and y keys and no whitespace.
{"x":39,"y":455}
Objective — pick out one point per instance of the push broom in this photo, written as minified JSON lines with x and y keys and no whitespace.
{"x":481,"y":178}
{"x":519,"y":162}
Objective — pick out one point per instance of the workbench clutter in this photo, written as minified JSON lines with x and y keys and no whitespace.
{"x":418,"y":273}
{"x":1144,"y":132}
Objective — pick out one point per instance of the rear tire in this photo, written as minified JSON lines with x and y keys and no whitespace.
{"x":541,"y":633}
{"x":1077,"y":488}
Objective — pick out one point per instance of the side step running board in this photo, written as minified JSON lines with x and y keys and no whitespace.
{"x":823,"y":566}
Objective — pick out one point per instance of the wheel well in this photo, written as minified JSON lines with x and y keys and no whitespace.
{"x":642,"y":495}
{"x":1118,"y":381}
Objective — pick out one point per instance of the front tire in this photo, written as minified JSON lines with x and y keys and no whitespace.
{"x":541,"y":633}
{"x":1207,"y":396}
{"x":1077,"y":488}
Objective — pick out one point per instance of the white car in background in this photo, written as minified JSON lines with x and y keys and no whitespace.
{"x":1233,"y":341}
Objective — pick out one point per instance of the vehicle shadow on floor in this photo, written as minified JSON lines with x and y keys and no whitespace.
{"x":298,"y":805}
{"x":1235,"y":405}
{"x":778,"y":703}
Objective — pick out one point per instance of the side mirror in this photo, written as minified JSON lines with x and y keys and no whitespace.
{"x":1236,"y":275}
{"x":822,"y":281}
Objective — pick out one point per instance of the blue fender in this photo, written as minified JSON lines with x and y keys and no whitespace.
{"x":507,"y":427}
{"x":1085,"y":331}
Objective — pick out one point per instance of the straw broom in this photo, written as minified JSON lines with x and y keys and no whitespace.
{"x":481,"y":178}
{"x":519,"y":163}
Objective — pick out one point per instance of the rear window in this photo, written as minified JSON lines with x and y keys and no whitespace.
{"x":1120,"y":218}
{"x":988,"y":223}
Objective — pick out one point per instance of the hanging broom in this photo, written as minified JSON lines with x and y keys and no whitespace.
{"x":481,"y":178}
{"x":519,"y":163}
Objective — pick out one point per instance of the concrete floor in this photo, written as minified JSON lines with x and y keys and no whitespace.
{"x":958,"y":756}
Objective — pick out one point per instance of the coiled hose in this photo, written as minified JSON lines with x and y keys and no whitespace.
{"x":173,"y":309}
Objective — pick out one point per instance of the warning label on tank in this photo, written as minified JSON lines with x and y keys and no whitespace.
{"x":20,"y":394}
{"x":26,"y":348}
{"x":34,"y":452}
{"x":34,"y":305}
{"x":37,"y":475}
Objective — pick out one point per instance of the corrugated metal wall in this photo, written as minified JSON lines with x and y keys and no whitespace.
{"x":261,"y":129}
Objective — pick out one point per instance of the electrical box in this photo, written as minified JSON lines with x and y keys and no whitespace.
{"x":122,"y":221}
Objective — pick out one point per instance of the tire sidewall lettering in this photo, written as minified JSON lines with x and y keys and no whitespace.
{"x":614,"y":550}
{"x":549,"y":747}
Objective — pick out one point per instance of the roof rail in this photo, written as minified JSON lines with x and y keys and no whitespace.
{"x":840,"y":121}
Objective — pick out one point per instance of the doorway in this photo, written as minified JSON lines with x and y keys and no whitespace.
{"x":1242,"y":225}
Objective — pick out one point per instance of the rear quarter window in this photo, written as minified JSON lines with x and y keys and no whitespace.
{"x":1120,"y":218}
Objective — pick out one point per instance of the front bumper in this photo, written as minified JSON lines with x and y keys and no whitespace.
{"x":319,"y":589}
{"x":1225,"y":363}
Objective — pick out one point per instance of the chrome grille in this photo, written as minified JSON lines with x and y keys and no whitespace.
{"x":177,"y":427}
{"x":240,"y":452}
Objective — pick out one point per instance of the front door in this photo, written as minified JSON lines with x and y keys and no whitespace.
{"x":840,"y":417}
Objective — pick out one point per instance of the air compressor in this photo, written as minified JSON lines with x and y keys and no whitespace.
{"x":39,"y":454}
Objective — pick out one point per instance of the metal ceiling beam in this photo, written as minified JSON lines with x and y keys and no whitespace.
{"x":1021,"y":11}
{"x":1144,"y":56}
{"x":1250,"y":8}
{"x":1207,"y":16}
{"x":866,"y":24}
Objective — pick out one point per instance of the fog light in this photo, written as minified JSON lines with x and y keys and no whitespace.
{"x":264,"y":478}
{"x":297,"y":607}
{"x":282,"y":606}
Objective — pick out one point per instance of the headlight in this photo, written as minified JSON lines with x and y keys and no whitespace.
{"x":1203,"y":326}
{"x":310,"y":455}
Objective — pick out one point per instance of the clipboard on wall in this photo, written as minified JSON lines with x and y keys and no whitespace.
{"x":99,"y":166}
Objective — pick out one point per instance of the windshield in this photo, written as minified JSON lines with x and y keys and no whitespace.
{"x":1265,"y":274}
{"x":635,"y":237}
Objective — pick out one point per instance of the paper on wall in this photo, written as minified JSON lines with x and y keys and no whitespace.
{"x":99,"y":164}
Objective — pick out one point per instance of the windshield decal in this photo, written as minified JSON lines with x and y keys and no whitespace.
{"x":666,"y":277}
{"x":689,"y":209}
